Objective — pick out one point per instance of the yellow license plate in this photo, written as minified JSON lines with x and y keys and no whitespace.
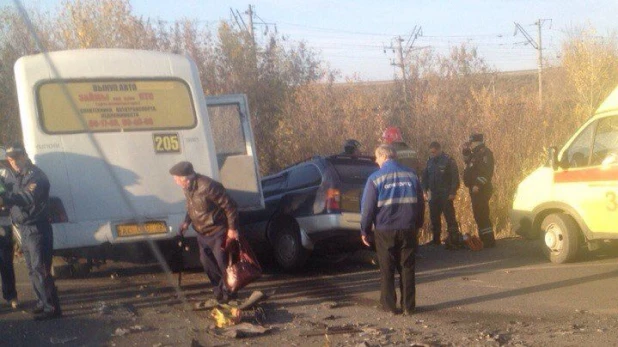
{"x":133,"y":229}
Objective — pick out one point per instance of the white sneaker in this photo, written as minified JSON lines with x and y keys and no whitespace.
{"x":14,"y":304}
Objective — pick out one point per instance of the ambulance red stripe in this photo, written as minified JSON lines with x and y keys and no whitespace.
{"x":594,"y":174}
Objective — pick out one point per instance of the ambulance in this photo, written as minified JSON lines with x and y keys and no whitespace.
{"x":572,"y":201}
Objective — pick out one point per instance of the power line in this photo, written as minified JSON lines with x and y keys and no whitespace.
{"x":335,"y":30}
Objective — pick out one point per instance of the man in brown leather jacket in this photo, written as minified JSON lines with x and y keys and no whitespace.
{"x":214,"y":216}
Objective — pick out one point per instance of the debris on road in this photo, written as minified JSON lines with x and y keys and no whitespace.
{"x":102,"y":308}
{"x":225,"y":315}
{"x":245,"y":330}
{"x":205,"y":305}
{"x":329,"y":304}
{"x":253,"y":299}
{"x":61,"y":341}
{"x":123,"y":331}
{"x":333,"y":330}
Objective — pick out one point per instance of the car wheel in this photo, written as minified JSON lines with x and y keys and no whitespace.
{"x":560,"y":238}
{"x":288,"y":248}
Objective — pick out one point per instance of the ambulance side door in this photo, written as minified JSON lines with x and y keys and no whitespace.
{"x":604,"y":187}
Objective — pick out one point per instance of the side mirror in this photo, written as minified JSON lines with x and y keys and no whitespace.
{"x":564,"y":162}
{"x":552,"y":157}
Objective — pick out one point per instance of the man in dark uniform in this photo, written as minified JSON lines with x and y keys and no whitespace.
{"x":440,"y":185}
{"x":7,"y":270}
{"x":477,"y":177}
{"x":351,"y":147}
{"x":214,"y":216}
{"x":393,"y":204}
{"x":28,"y":200}
{"x":406,"y":156}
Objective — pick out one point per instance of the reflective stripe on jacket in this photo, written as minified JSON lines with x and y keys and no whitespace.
{"x":392,"y":200}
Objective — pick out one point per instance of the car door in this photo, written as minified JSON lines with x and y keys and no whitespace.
{"x":603,"y":185}
{"x":236,"y":155}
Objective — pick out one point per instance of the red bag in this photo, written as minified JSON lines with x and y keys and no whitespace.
{"x":243,"y":267}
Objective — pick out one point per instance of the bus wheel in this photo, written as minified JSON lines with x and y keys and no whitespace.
{"x":287,"y":245}
{"x":561,"y":238}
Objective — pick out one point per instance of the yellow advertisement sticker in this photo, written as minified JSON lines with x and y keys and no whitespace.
{"x":115,"y":105}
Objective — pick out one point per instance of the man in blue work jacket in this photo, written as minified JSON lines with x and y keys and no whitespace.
{"x":393,"y":203}
{"x":28,"y":201}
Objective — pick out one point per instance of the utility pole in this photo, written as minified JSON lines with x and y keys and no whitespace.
{"x":403,"y":68}
{"x":250,"y":14}
{"x":539,"y":47}
{"x":249,"y":27}
{"x":401,"y":57}
{"x":540,"y":50}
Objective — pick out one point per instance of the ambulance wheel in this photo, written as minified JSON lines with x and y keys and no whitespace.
{"x":560,"y":238}
{"x":288,"y":248}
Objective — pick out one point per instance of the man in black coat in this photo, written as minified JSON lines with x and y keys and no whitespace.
{"x":440,"y":185}
{"x":477,"y":177}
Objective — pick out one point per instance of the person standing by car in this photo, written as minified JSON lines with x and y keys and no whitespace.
{"x":7,"y":271}
{"x":393,"y":204}
{"x":477,"y":177}
{"x":28,"y":201}
{"x":214,"y":216}
{"x":440,"y":184}
{"x":406,"y":156}
{"x":351,"y":147}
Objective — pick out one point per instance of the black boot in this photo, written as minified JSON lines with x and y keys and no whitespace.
{"x":454,"y":240}
{"x":488,"y":239}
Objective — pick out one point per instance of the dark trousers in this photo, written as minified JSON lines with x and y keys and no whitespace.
{"x":438,"y":205}
{"x":214,"y":260}
{"x":480,"y":209}
{"x":38,"y":247}
{"x":395,"y":250}
{"x":7,"y":272}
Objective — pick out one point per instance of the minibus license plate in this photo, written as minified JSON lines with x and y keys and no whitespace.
{"x":133,"y":229}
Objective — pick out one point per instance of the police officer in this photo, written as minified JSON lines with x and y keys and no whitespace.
{"x":28,"y":200}
{"x":406,"y":156}
{"x":477,"y":177}
{"x":440,"y":185}
{"x":7,"y":271}
{"x":351,"y":147}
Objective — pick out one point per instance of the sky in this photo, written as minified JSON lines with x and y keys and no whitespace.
{"x":351,"y":35}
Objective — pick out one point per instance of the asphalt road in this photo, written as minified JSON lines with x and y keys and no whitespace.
{"x":509,"y":295}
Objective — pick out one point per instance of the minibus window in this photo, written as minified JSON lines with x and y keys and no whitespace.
{"x":605,"y":140}
{"x":578,"y":154}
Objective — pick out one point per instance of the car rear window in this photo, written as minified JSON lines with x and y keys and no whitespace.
{"x":354,"y":170}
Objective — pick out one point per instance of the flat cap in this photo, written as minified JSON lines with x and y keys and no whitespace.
{"x":15,"y":150}
{"x":476,"y":138}
{"x":184,"y":168}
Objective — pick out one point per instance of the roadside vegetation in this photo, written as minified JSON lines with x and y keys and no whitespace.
{"x":299,"y":111}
